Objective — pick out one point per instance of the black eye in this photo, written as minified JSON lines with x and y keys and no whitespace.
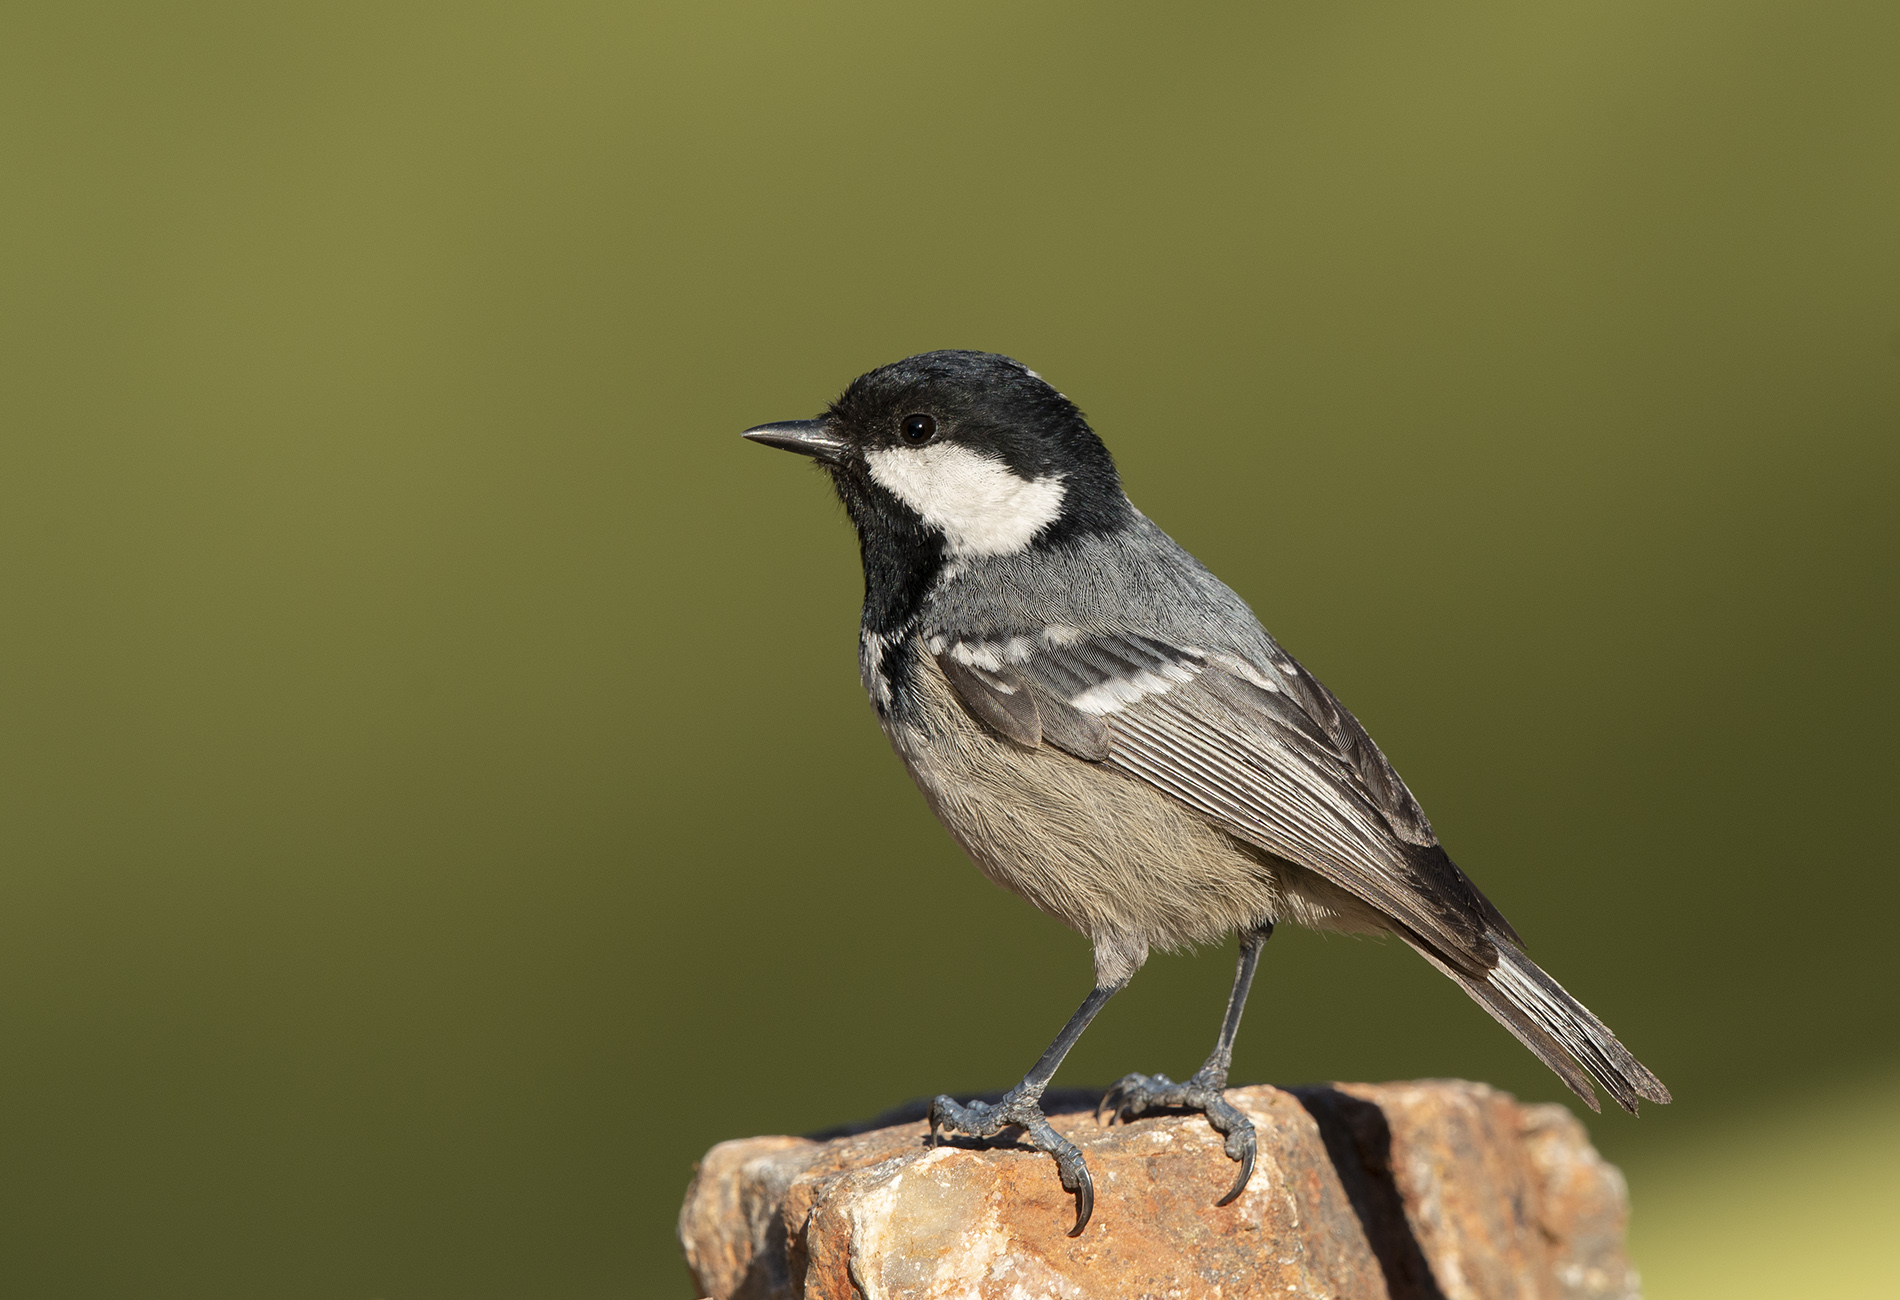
{"x":918,"y":429}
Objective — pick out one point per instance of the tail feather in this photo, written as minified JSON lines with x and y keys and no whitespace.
{"x":1558,"y":1029}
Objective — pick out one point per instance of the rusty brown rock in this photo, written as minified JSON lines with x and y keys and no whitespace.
{"x":1436,"y":1190}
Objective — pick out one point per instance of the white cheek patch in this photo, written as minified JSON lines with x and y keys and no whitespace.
{"x":979,"y":503}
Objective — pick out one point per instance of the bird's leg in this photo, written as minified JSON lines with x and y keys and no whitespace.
{"x":1138,"y":1094}
{"x":1021,"y":1107}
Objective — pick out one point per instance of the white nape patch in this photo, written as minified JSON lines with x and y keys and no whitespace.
{"x":981,"y":506}
{"x":1119,"y":691}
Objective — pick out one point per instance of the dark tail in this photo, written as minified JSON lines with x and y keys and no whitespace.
{"x":1558,"y":1028}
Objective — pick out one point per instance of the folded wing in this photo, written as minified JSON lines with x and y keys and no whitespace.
{"x":1262,"y":749}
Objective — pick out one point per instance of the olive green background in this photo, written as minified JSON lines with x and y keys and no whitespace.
{"x":437,"y":799}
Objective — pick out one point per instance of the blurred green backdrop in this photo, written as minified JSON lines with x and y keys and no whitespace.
{"x":438,"y":800}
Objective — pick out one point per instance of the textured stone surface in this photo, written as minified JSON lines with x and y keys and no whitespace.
{"x":1407,"y":1191}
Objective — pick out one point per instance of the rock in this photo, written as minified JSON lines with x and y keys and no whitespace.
{"x":1436,"y":1190}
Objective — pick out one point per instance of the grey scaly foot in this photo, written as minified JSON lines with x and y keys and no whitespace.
{"x":1021,"y":1108}
{"x":1138,"y":1094}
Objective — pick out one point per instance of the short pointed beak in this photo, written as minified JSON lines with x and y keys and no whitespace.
{"x":812,"y":438}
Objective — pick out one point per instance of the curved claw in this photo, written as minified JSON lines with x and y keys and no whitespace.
{"x":1136,"y":1094}
{"x":1246,"y":1173}
{"x":1084,"y":1190}
{"x":1024,"y":1111}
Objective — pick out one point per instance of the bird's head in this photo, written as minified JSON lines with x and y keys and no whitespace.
{"x":966,"y":453}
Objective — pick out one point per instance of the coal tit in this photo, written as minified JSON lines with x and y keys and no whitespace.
{"x":1109,"y":732}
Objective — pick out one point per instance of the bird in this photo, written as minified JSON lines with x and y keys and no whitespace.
{"x":1109,"y":732}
